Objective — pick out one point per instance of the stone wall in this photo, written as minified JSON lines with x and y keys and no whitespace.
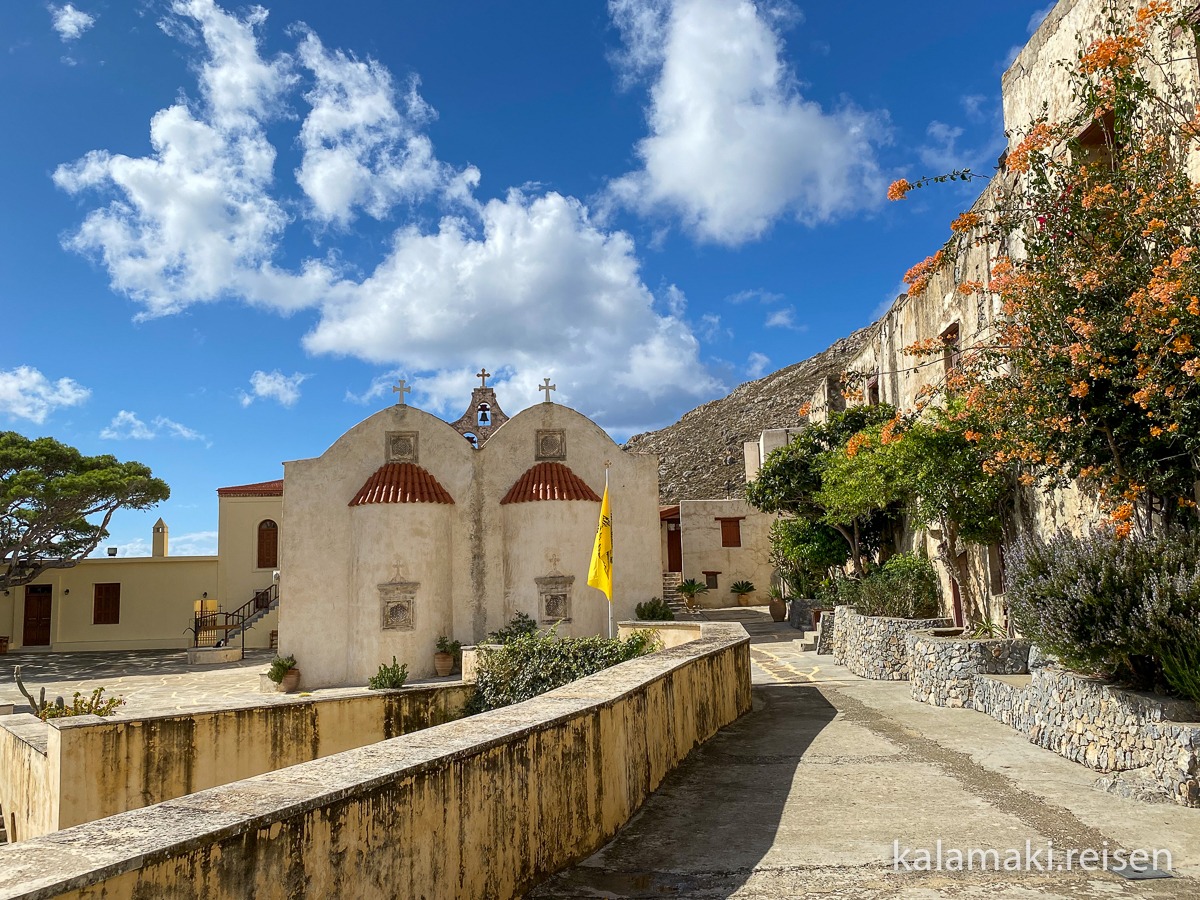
{"x":825,"y":634}
{"x":1102,"y":727}
{"x":483,"y":807}
{"x":52,"y":779}
{"x":942,"y":670}
{"x":840,"y":615}
{"x":874,"y":646}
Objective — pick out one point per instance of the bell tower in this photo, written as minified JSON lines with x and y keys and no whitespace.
{"x":483,"y":416}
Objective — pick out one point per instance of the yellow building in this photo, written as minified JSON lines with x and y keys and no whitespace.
{"x":152,"y":602}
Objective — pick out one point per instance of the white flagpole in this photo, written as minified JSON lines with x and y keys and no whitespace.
{"x":612,"y":533}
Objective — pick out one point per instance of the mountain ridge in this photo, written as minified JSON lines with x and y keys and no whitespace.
{"x":700,"y":456}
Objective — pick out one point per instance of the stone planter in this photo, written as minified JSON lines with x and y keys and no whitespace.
{"x":1104,"y":727}
{"x":875,"y":646}
{"x":942,"y":666}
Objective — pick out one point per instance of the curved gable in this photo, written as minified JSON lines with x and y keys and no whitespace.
{"x":401,"y":483}
{"x":549,"y":481}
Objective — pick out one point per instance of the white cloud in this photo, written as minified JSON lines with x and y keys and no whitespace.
{"x":69,"y":22}
{"x":941,"y":152}
{"x":784,"y":318}
{"x":754,"y":294}
{"x":528,"y":283}
{"x":359,"y":149}
{"x":126,"y":426}
{"x":25,"y":393}
{"x":284,"y":389}
{"x":711,"y":328}
{"x":756,"y":364}
{"x":733,"y":145}
{"x":195,"y":543}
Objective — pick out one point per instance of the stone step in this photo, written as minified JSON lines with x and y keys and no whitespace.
{"x":807,"y":643}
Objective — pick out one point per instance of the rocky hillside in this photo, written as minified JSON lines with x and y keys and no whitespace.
{"x":701,"y":454}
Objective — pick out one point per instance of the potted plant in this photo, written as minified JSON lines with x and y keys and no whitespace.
{"x":284,"y":673}
{"x":447,"y":656}
{"x":778,"y":605}
{"x":689,"y":590}
{"x":742,"y":590}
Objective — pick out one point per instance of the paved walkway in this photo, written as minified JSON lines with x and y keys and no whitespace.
{"x":805,"y":795}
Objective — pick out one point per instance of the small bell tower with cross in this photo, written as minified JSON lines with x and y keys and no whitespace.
{"x":483,"y":416}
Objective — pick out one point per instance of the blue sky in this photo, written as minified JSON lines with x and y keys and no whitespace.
{"x":228,"y":229}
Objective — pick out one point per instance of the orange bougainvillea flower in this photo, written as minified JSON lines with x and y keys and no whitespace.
{"x":917,"y":278}
{"x":899,"y":189}
{"x":964,"y":222}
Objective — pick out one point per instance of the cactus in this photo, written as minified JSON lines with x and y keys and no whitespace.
{"x":39,"y":706}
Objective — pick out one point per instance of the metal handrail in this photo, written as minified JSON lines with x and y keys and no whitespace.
{"x":213,"y":627}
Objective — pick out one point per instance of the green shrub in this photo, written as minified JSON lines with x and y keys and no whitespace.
{"x":532,"y":664}
{"x":94,"y":705}
{"x":1127,"y":610}
{"x":280,"y":666}
{"x":741,"y":588}
{"x":655,"y":610}
{"x":904,"y":587}
{"x":392,"y":676}
{"x":520,"y":626}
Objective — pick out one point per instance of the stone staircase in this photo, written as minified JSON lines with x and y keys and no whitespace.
{"x":264,"y":601}
{"x":670,"y":581}
{"x":806,"y":643}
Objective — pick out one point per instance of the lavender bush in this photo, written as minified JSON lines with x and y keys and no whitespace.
{"x":1128,"y":610}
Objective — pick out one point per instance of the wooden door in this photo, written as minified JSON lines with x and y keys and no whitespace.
{"x":37,"y":615}
{"x":674,"y":547}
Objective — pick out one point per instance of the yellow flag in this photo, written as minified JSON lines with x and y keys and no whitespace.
{"x":600,"y":573}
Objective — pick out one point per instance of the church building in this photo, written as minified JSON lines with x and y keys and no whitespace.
{"x":409,"y":528}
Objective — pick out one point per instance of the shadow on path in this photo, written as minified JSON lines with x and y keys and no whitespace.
{"x":715,"y":817}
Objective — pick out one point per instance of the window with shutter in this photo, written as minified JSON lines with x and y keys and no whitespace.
{"x":106,"y":604}
{"x":731,"y":532}
{"x":268,"y":544}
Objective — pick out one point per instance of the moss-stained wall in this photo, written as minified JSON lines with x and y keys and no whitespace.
{"x":484,"y":807}
{"x":90,"y":767}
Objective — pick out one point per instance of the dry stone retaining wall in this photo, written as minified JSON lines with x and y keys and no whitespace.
{"x":875,"y":646}
{"x":1102,"y":727}
{"x":942,"y":670}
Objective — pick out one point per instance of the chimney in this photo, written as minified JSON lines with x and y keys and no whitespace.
{"x":160,"y":539}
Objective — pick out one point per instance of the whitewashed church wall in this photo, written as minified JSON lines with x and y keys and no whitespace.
{"x":398,"y":544}
{"x":633,"y":495}
{"x":532,"y":533}
{"x":318,"y":555}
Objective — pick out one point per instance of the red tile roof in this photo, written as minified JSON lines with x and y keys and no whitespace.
{"x":258,"y":489}
{"x":401,"y":483}
{"x":549,"y":481}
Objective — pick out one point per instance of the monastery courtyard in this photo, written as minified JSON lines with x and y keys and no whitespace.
{"x":802,"y":797}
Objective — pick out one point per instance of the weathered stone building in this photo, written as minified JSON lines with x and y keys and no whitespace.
{"x":883,"y":372}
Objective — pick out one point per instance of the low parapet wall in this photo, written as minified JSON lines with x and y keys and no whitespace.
{"x":874,"y":646}
{"x":483,"y":807}
{"x":1103,"y":727}
{"x":942,"y":670}
{"x":69,"y":771}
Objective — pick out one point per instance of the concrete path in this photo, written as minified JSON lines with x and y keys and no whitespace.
{"x":806,"y":795}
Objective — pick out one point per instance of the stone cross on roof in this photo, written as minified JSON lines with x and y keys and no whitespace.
{"x":547,"y":387}
{"x":483,"y":375}
{"x":401,"y":389}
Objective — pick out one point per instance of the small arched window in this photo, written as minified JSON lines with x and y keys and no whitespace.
{"x":268,"y":544}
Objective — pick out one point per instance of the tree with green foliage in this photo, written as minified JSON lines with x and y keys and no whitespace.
{"x":806,"y":554}
{"x":50,"y":492}
{"x":792,"y":477}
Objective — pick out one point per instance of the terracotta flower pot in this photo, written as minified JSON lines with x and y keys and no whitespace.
{"x":778,"y":610}
{"x":443,"y":664}
{"x":290,"y":682}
